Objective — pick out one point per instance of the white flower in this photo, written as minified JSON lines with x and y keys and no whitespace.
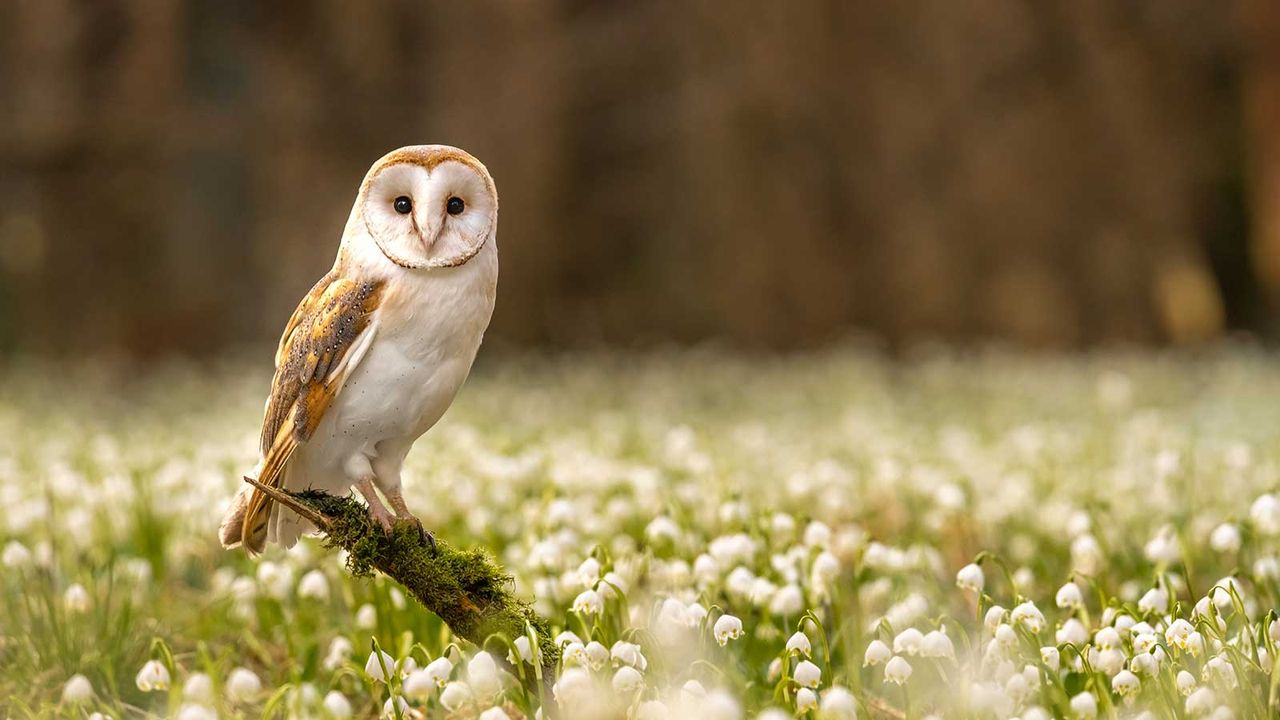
{"x":1202,"y":701}
{"x":1225,"y":538}
{"x":1069,"y":597}
{"x":438,"y":670}
{"x":1144,"y":663}
{"x":1107,"y":637}
{"x":799,"y":642}
{"x":566,"y":637}
{"x":1163,"y":548}
{"x":807,"y":674}
{"x":243,"y":685}
{"x":395,"y":706}
{"x":153,"y":676}
{"x":16,"y":555}
{"x":573,"y":687}
{"x":654,"y":710}
{"x":788,"y":601}
{"x":419,"y":685}
{"x":1006,"y":636}
{"x":1029,"y":616}
{"x":195,"y":711}
{"x":897,"y":670}
{"x":1186,"y":682}
{"x":1154,"y":600}
{"x":1125,"y":683}
{"x":339,"y":650}
{"x":589,"y":572}
{"x":597,"y":654}
{"x":482,"y":675}
{"x":314,"y":586}
{"x":366,"y":617}
{"x":1265,"y":513}
{"x":971,"y":578}
{"x":817,"y":534}
{"x":627,"y":679}
{"x":588,"y":602}
{"x":993,"y":618}
{"x":727,"y":627}
{"x":662,"y":528}
{"x":1050,"y":656}
{"x":198,"y":689}
{"x":908,"y":642}
{"x":936,"y":644}
{"x":455,"y":695}
{"x":838,"y":704}
{"x":337,"y":704}
{"x":494,"y":713}
{"x":805,"y":699}
{"x":378,"y":659}
{"x":77,"y":690}
{"x":1084,"y":705}
{"x":877,"y":652}
{"x":628,"y":654}
{"x":1072,"y":631}
{"x":76,"y":598}
{"x":826,"y":567}
{"x":1086,"y":554}
{"x":524,"y":651}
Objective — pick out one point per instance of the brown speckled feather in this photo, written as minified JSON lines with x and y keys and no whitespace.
{"x":327,"y":324}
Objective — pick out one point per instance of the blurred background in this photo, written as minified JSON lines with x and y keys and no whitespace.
{"x":1054,"y":173}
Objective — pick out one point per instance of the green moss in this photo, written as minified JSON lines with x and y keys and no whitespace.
{"x":466,"y":588}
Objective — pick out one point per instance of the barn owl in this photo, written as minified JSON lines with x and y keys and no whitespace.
{"x":376,"y":351}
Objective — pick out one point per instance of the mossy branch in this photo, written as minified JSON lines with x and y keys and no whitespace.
{"x":466,"y":588}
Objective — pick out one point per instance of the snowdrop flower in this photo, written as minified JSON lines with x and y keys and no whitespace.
{"x":1144,"y":664}
{"x":589,"y":572}
{"x":195,"y":711}
{"x":1163,"y":548}
{"x":1072,"y":631}
{"x":275,"y":578}
{"x":805,"y":699}
{"x":817,"y":534}
{"x":314,"y":586}
{"x":198,"y":689}
{"x":524,"y":651}
{"x":908,"y":642}
{"x":662,"y":529}
{"x":838,"y":704}
{"x":1084,"y":705}
{"x":419,"y":685}
{"x":627,"y":679}
{"x":395,"y":706}
{"x":937,"y":645}
{"x":1155,"y":600}
{"x":366,"y":617}
{"x":971,"y":578}
{"x":727,"y":628}
{"x":706,"y":570}
{"x":243,"y":685}
{"x":588,"y":602}
{"x":1107,"y":637}
{"x":826,"y":567}
{"x":16,"y":555}
{"x":566,"y":637}
{"x":1220,"y":670}
{"x":438,"y":670}
{"x":788,"y":601}
{"x":877,"y":652}
{"x":799,"y":642}
{"x":482,"y":675}
{"x":378,"y":659}
{"x":628,"y":654}
{"x":337,"y":704}
{"x":1069,"y":597}
{"x":897,"y":670}
{"x":1029,"y":616}
{"x":1177,"y":633}
{"x":455,"y":695}
{"x":993,"y":618}
{"x":494,"y":713}
{"x":76,"y":598}
{"x":1050,"y":656}
{"x":153,"y":676}
{"x":1006,"y":636}
{"x":1200,"y":702}
{"x":1186,"y":682}
{"x":339,"y":650}
{"x":807,"y":674}
{"x":597,"y":655}
{"x":1125,"y":683}
{"x":1225,"y":538}
{"x":574,"y":686}
{"x":1265,"y":514}
{"x":77,"y":690}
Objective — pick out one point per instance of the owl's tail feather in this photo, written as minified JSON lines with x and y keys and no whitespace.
{"x":232,"y":531}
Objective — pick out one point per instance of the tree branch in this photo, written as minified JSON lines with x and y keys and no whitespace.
{"x":466,"y":588}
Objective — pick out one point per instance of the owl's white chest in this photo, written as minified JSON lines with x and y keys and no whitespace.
{"x":427,"y":333}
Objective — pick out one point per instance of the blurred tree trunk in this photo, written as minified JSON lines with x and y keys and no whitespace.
{"x":1260,"y":29}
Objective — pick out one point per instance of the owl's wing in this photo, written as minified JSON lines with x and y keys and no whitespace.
{"x":324,"y":340}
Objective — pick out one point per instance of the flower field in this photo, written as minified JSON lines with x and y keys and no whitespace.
{"x":832,"y":535}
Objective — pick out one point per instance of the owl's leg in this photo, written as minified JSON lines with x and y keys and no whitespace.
{"x":377,"y":511}
{"x":402,"y":513}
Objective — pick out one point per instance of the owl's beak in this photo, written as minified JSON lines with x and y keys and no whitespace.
{"x":428,"y":227}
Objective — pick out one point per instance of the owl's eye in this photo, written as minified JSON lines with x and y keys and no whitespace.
{"x":455,"y":206}
{"x":403,"y":205}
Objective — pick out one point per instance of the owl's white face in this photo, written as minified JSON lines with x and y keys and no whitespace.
{"x":429,"y":206}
